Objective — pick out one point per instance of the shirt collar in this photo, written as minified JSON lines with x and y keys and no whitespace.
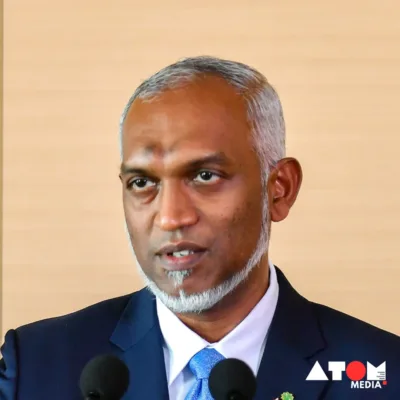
{"x":182,"y":343}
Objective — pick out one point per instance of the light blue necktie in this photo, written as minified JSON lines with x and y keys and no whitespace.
{"x":201,"y":365}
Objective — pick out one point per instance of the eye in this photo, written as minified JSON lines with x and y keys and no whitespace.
{"x":140,"y":184}
{"x":207,"y":177}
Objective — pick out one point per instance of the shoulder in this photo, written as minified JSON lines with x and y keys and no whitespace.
{"x":57,"y":344}
{"x":341,"y":332}
{"x":95,"y":322}
{"x":346,"y":334}
{"x":93,"y":315}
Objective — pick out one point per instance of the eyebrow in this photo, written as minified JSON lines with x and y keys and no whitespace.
{"x":215,"y":158}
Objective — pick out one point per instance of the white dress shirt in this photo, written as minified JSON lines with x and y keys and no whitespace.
{"x":245,"y":342}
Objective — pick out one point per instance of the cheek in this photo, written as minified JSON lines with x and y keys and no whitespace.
{"x":244,"y":228}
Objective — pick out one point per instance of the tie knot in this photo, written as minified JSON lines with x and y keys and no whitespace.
{"x":203,"y":362}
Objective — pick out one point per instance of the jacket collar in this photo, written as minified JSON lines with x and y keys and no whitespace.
{"x":138,"y":318}
{"x":139,"y":341}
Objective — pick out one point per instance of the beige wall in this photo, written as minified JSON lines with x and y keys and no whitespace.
{"x":70,"y":67}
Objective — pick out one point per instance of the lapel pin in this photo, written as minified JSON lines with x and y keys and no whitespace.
{"x":286,"y":396}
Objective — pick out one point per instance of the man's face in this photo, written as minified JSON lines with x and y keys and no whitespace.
{"x":189,"y":174}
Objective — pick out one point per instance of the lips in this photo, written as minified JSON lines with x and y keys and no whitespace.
{"x":184,"y":261}
{"x":180,"y":246}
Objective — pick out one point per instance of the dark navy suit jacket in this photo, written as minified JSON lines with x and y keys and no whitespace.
{"x":43,"y":360}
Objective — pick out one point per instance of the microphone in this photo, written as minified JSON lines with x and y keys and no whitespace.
{"x":232,"y":379}
{"x":104,"y":377}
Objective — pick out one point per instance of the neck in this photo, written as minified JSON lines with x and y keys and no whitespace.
{"x":216,"y":323}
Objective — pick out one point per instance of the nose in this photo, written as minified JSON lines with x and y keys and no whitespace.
{"x":175,"y":207}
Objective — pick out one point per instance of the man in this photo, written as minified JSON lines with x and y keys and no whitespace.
{"x":203,"y":175}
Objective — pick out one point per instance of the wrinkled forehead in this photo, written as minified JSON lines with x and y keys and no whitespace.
{"x":206,"y":114}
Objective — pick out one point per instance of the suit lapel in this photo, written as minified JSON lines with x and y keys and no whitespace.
{"x":293,"y":339}
{"x":139,"y":341}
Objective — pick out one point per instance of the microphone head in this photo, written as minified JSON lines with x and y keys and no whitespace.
{"x":104,"y":377}
{"x":232,"y":379}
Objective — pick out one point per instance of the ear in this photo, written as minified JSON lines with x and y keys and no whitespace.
{"x":283,"y":187}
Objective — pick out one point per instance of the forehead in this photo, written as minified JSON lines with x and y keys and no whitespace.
{"x":206,"y":115}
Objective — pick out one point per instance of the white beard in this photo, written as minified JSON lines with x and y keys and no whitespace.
{"x":200,"y":302}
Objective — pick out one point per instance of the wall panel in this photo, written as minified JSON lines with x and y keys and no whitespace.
{"x":71,"y":66}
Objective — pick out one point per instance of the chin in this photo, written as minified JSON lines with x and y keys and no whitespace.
{"x":184,"y":298}
{"x":188,"y":284}
{"x":180,"y":293}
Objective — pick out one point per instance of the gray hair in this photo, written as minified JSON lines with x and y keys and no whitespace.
{"x":264,"y":108}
